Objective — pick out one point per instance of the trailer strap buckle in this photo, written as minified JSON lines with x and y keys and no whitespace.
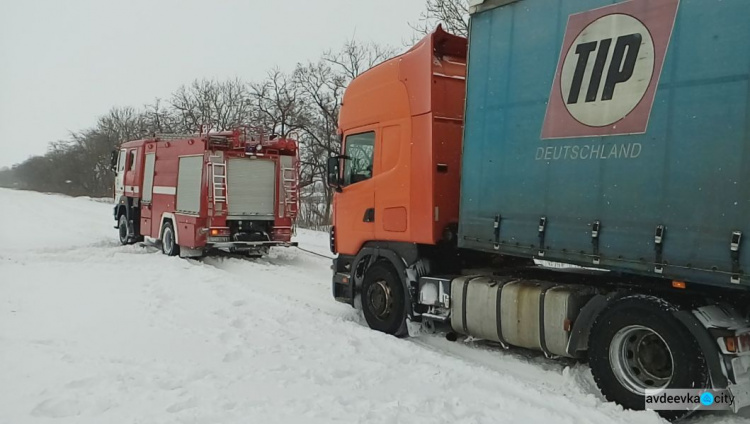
{"x":659,"y":236}
{"x":595,"y":228}
{"x":496,"y":231}
{"x":734,"y":248}
{"x":542,"y":230}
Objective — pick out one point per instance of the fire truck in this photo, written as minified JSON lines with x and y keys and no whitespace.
{"x":225,"y":191}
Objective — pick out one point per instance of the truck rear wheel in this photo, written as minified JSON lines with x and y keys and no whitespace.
{"x":124,"y":231}
{"x":384,"y":300}
{"x":637,"y":344}
{"x":169,"y":244}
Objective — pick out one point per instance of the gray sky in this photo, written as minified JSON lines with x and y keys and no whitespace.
{"x":63,"y":63}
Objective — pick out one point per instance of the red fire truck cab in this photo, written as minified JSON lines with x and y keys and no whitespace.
{"x":225,"y":191}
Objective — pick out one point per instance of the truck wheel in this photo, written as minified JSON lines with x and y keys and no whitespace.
{"x":169,"y":244}
{"x":637,"y":344}
{"x":123,"y":232}
{"x":383,"y":300}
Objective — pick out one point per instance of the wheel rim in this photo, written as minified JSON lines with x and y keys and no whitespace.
{"x":123,"y":230}
{"x":641,"y":359}
{"x":380,"y":299}
{"x":168,"y":240}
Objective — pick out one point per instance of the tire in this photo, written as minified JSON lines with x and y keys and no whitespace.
{"x":169,"y":244}
{"x":637,"y":343}
{"x":384,"y":300}
{"x":123,"y":231}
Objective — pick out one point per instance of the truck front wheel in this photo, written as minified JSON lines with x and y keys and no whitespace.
{"x":384,"y":300}
{"x":124,"y":231}
{"x":169,"y":244}
{"x":637,"y":344}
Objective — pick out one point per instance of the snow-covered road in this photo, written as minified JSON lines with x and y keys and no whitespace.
{"x":93,"y":332}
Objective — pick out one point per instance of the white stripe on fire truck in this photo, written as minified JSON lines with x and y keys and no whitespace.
{"x":165,"y":190}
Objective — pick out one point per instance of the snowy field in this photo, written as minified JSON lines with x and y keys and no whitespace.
{"x":93,"y":332}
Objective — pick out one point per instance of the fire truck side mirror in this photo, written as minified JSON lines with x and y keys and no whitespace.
{"x":113,"y":160}
{"x":334,"y":172}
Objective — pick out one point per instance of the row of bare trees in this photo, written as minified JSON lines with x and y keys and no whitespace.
{"x":302,"y":104}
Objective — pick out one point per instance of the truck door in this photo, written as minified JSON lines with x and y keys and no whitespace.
{"x":120,"y":178}
{"x":147,"y":195}
{"x":131,"y":183}
{"x":355,"y":205}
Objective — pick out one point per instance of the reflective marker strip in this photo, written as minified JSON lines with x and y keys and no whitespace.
{"x":165,"y":190}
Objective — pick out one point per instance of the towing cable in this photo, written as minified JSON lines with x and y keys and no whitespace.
{"x":315,"y":253}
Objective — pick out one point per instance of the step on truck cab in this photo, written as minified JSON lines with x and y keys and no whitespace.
{"x":231,"y":191}
{"x":573,"y":180}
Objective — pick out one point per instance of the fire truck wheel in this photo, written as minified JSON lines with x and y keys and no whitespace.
{"x":169,"y":244}
{"x":383,"y":300}
{"x":123,"y":232}
{"x":637,"y":344}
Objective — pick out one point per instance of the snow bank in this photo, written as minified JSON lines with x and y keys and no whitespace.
{"x":92,"y":332}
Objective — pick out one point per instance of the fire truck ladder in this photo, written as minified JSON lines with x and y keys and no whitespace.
{"x":219,"y":180}
{"x":291,"y":190}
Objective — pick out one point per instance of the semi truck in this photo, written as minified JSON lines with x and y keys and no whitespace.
{"x":233,"y":191}
{"x":609,"y":136}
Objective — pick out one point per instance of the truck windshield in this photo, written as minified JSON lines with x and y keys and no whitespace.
{"x":360,"y":149}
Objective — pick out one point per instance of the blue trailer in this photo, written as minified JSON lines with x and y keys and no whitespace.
{"x":655,"y":182}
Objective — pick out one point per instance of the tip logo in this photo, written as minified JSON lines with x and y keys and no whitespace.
{"x":609,"y":71}
{"x":707,"y":399}
{"x":609,"y":68}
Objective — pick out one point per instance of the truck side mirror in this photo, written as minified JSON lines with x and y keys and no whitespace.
{"x":334,"y":172}
{"x":113,"y":160}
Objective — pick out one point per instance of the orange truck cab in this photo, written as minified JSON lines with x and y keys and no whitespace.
{"x":398,"y":177}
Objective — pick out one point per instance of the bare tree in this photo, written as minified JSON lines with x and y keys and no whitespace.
{"x":87,"y":152}
{"x":160,"y":118}
{"x":210,"y":105}
{"x":122,"y":124}
{"x":452,"y":14}
{"x":321,"y":90}
{"x":355,"y":57}
{"x":276,"y":105}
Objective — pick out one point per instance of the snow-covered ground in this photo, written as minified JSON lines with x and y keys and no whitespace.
{"x":93,"y":332}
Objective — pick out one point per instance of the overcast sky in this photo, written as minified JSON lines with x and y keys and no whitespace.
{"x":63,"y":63}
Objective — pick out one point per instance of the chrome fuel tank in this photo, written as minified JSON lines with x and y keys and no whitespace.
{"x":524,"y":313}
